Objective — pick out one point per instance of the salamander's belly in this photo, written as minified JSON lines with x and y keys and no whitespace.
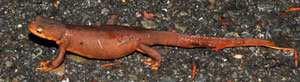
{"x":103,"y":48}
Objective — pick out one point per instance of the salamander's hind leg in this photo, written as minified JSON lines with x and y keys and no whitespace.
{"x":154,"y":54}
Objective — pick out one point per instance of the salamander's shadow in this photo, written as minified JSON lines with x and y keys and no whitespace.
{"x":42,"y":41}
{"x":47,"y":43}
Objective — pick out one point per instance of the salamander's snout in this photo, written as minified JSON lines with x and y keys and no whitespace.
{"x":31,"y":27}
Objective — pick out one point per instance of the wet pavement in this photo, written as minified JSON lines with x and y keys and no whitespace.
{"x":21,"y":51}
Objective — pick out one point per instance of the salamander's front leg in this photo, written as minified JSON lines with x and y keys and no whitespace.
{"x":155,"y":55}
{"x":48,"y":66}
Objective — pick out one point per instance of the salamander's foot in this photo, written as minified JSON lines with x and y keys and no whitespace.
{"x":46,"y":67}
{"x":153,"y":65}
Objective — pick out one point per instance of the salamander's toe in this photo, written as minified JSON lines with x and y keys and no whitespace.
{"x":153,"y":65}
{"x":41,"y":68}
{"x":43,"y":63}
{"x":147,"y":62}
{"x":46,"y":67}
{"x":149,"y":59}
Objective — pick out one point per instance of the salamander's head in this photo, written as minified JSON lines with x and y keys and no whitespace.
{"x":47,"y":28}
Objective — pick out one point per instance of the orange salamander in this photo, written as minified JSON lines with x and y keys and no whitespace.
{"x":113,"y":41}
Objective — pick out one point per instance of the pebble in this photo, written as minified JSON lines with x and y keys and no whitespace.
{"x":121,"y":74}
{"x":8,"y":64}
{"x":210,"y":74}
{"x":167,"y":79}
{"x":124,"y":1}
{"x":260,"y":35}
{"x":182,"y":13}
{"x":1,"y":21}
{"x":38,"y":52}
{"x":246,"y":73}
{"x":21,"y":36}
{"x":181,"y":28}
{"x":65,"y":80}
{"x":258,"y":27}
{"x":85,"y":17}
{"x":112,"y":20}
{"x":104,"y":11}
{"x":77,"y":58}
{"x":238,"y":56}
{"x":149,"y":24}
{"x":202,"y":78}
{"x":218,"y":79}
{"x":212,"y":3}
{"x":234,"y":75}
{"x":108,"y":76}
{"x":265,"y":7}
{"x":246,"y":35}
{"x":132,"y":77}
{"x":229,"y":34}
{"x":236,"y":35}
{"x":232,"y":14}
{"x":14,"y":80}
{"x":169,"y":5}
{"x":19,"y":25}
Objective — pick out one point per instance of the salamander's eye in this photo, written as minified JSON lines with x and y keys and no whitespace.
{"x":39,"y":30}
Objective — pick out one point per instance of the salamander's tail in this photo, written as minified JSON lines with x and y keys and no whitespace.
{"x":295,"y":52}
{"x":187,"y":41}
{"x":235,"y":42}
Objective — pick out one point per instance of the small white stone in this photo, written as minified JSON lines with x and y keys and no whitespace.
{"x":238,"y":56}
{"x":19,"y":25}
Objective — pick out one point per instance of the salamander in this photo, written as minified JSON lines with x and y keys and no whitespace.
{"x":115,"y":41}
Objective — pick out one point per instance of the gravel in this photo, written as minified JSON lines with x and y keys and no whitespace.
{"x":21,"y":51}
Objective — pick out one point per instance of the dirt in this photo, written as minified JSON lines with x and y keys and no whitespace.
{"x":21,"y":51}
